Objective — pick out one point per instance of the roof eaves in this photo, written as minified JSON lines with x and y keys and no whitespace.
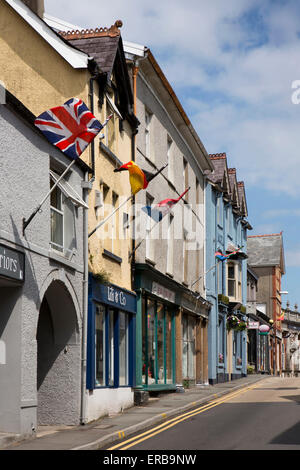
{"x":76,"y":58}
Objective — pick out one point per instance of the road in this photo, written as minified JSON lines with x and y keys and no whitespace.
{"x":263,"y":416}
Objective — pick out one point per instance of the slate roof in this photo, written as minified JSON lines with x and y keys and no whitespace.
{"x":266,"y":250}
{"x":100,"y":43}
{"x":219,"y":162}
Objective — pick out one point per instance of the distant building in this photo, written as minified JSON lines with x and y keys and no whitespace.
{"x":226,"y":281}
{"x":266,"y":258}
{"x":291,"y":340}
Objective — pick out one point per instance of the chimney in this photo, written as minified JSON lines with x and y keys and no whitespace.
{"x":37,"y":6}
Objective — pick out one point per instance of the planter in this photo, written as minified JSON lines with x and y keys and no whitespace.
{"x":234,"y":323}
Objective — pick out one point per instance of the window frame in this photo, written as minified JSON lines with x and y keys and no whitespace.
{"x":111,"y":350}
{"x":237,"y":279}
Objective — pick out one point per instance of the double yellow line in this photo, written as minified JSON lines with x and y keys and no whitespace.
{"x":172,"y":422}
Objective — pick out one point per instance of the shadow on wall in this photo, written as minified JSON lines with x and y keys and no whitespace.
{"x":58,"y":358}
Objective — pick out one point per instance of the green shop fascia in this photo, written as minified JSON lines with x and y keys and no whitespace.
{"x":159,"y":299}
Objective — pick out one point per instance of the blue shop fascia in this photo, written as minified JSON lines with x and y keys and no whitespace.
{"x":111,"y":336}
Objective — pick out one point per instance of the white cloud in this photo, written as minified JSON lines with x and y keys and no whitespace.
{"x":234,"y":62}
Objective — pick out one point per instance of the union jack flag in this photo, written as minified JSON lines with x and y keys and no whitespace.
{"x":70,"y":127}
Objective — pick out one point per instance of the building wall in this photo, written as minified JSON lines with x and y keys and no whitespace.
{"x":265,"y":288}
{"x":119,"y":272}
{"x":32,"y":70}
{"x":163,"y":186}
{"x":27,"y":172}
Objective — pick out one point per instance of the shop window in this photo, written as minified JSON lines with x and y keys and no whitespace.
{"x":169,"y":369}
{"x":150,"y":312}
{"x":221,"y":340}
{"x":188,"y":346}
{"x":158,"y":339}
{"x":112,"y":332}
{"x":160,"y":343}
{"x":100,"y":345}
{"x":123,"y":349}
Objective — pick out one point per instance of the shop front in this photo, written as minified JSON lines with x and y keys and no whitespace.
{"x":193,"y":367}
{"x":171,"y":333}
{"x":157,"y":310}
{"x":110,"y":348}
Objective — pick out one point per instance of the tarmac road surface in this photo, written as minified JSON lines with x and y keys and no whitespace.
{"x":261,"y":416}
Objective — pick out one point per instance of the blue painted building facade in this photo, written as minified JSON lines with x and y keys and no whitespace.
{"x":226,"y":281}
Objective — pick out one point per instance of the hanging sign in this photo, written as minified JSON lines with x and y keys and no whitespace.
{"x":253,"y":325}
{"x":264,"y":329}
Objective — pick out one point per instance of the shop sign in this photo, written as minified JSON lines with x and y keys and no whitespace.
{"x":163,"y":292}
{"x":114,"y":297}
{"x":253,"y":325}
{"x":12,"y":263}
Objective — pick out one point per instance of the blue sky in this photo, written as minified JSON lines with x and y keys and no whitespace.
{"x":232,"y":65}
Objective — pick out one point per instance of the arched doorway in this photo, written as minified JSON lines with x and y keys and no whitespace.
{"x":58,"y":358}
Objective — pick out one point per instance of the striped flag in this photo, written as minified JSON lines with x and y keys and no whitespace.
{"x":70,"y":127}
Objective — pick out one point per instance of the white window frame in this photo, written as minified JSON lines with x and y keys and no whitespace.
{"x":170,"y":159}
{"x":237,"y":279}
{"x":170,"y":249}
{"x":69,"y":193}
{"x":149,"y":244}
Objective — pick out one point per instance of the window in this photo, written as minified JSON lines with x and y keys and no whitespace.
{"x":234,"y":281}
{"x":149,"y":224}
{"x":100,"y":345}
{"x":110,"y":127}
{"x":185,"y":255}
{"x":221,"y":340}
{"x":185,"y":177}
{"x":112,"y":330}
{"x":188,"y":346}
{"x":148,"y":149}
{"x":123,"y":348}
{"x":231,"y":280}
{"x":57,"y":219}
{"x":114,"y":225}
{"x":170,"y":249}
{"x":63,"y":200}
{"x":170,"y":159}
{"x":158,"y":343}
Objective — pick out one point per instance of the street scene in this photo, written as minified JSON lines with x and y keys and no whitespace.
{"x":149,"y":249}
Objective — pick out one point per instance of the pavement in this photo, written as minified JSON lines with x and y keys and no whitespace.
{"x":109,"y":430}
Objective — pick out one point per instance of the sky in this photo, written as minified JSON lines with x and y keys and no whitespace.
{"x":235,"y":67}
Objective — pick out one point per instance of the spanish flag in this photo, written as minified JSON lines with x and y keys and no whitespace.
{"x":139,"y":179}
{"x":280,"y":317}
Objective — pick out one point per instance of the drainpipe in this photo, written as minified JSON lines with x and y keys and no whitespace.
{"x":86,"y":186}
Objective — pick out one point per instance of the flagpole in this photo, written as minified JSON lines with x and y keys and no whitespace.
{"x":109,"y":216}
{"x":212,"y":267}
{"x":27,"y":222}
{"x":139,"y":244}
{"x":123,"y":203}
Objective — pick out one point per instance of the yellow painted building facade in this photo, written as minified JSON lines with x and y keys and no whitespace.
{"x":39,"y":72}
